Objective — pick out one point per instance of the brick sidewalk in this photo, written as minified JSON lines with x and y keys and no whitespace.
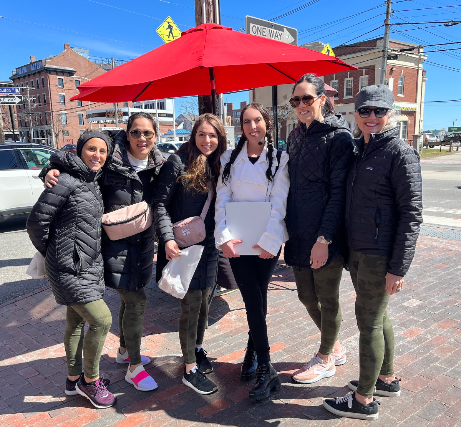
{"x":427,"y":322}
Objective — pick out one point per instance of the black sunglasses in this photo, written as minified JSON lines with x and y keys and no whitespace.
{"x":365,"y":112}
{"x":137,"y":134}
{"x":306,"y":99}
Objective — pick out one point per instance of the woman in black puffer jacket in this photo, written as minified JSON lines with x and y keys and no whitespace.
{"x":182,"y":190}
{"x":128,"y":178}
{"x":321,"y":151}
{"x":65,"y":227}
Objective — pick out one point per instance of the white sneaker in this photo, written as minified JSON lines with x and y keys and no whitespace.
{"x":340,"y":357}
{"x":313,"y":371}
{"x":140,"y":379}
{"x":124,"y":358}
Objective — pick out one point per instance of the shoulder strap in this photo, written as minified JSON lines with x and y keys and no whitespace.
{"x":207,"y":205}
{"x":279,"y":156}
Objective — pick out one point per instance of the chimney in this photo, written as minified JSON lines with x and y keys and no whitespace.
{"x":32,"y":59}
{"x":66,"y":46}
{"x":13,"y":72}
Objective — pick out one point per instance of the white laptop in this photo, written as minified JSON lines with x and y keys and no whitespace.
{"x":247,"y":221}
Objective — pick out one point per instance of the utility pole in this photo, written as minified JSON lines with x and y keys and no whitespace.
{"x":10,"y":107}
{"x":387,"y":25}
{"x":115,"y":104}
{"x":2,"y":135}
{"x":31,"y":130}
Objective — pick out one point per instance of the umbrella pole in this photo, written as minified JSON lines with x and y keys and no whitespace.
{"x":213,"y":90}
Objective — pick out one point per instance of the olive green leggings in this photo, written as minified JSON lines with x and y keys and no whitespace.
{"x":318,"y":290}
{"x":99,"y":319}
{"x":376,"y":343}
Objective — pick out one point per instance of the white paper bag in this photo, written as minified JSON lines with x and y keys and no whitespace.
{"x":36,"y":267}
{"x":178,"y":273}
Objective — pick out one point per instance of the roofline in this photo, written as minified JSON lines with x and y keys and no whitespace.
{"x":375,"y":39}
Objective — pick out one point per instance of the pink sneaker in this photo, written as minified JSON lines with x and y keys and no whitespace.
{"x":340,"y":357}
{"x":140,"y":379}
{"x":124,"y":358}
{"x":314,"y":371}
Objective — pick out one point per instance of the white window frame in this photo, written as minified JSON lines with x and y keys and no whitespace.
{"x":401,"y":86}
{"x":363,"y":78}
{"x":80,"y":116}
{"x":63,"y":118}
{"x":335,"y":82}
{"x":64,"y":97}
{"x":62,"y":79}
{"x":79,"y":83}
{"x":32,"y":84}
{"x":346,"y":81}
{"x":403,"y":129}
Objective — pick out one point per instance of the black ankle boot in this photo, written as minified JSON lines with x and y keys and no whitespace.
{"x":249,"y":365}
{"x":267,"y":381}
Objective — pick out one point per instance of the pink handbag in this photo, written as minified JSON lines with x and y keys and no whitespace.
{"x":191,"y":231}
{"x":127,"y":221}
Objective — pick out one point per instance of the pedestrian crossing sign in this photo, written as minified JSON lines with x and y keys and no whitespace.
{"x":168,"y":30}
{"x":327,"y":50}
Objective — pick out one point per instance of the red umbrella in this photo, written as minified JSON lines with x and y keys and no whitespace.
{"x":204,"y":58}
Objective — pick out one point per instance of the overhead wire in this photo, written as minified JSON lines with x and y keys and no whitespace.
{"x":291,"y":12}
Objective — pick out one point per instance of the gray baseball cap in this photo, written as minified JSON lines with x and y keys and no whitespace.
{"x":374,"y":96}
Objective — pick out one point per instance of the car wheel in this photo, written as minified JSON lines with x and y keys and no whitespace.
{"x":431,"y":146}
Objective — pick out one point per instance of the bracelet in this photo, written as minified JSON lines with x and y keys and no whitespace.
{"x":322,"y":239}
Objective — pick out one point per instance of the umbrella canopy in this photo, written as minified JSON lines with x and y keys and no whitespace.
{"x":204,"y":58}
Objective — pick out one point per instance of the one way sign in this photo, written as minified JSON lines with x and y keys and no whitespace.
{"x":10,"y":100}
{"x":270,"y":30}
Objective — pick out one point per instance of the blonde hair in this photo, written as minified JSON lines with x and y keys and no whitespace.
{"x":392,"y":122}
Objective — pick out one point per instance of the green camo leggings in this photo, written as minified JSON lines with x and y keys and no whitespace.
{"x":376,"y":343}
{"x":99,"y":319}
{"x":318,"y":290}
{"x":130,"y":320}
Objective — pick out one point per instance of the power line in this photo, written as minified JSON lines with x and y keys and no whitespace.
{"x":291,"y":12}
{"x":448,"y":100}
{"x":443,"y":66}
{"x":427,"y":8}
{"x":368,"y":32}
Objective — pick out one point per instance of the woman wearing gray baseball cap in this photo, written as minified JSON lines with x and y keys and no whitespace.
{"x":383,"y":215}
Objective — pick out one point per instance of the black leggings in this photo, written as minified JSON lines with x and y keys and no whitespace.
{"x":253,"y":275}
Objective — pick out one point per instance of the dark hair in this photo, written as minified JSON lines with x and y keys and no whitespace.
{"x":270,"y":145}
{"x":319,"y":86}
{"x":202,"y":170}
{"x":141,"y":115}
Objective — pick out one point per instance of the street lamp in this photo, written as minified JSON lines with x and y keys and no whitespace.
{"x":454,"y":122}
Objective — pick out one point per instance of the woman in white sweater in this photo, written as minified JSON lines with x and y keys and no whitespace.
{"x":254,"y":172}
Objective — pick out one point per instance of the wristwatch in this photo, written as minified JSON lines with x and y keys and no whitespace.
{"x":322,"y":239}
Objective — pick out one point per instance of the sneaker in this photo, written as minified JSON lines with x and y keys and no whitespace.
{"x":348,"y":406}
{"x":202,"y":361}
{"x":340,"y":357}
{"x":313,"y":371}
{"x":124,"y":358}
{"x":197,"y":381}
{"x":140,"y":379}
{"x":381,"y":388}
{"x":96,"y":392}
{"x":70,"y":385}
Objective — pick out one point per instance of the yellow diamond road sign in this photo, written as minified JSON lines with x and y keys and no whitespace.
{"x":168,"y":30}
{"x":327,"y":50}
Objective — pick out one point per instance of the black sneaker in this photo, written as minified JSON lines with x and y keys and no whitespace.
{"x":197,"y":381}
{"x":202,"y":361}
{"x":70,"y":385}
{"x":381,"y":388}
{"x":348,"y":406}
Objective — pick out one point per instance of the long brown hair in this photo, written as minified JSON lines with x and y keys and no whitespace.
{"x":202,"y":170}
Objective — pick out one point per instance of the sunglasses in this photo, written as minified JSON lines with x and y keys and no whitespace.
{"x":306,"y":99}
{"x":365,"y":112}
{"x":137,"y":134}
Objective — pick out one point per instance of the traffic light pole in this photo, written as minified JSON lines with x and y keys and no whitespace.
{"x":387,"y":25}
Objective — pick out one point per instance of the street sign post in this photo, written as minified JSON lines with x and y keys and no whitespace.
{"x":168,"y":30}
{"x":10,"y":100}
{"x":9,"y":91}
{"x":271,"y":30}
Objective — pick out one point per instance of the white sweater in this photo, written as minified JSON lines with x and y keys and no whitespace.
{"x":248,"y":183}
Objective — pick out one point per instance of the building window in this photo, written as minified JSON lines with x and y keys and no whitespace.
{"x":348,"y":86}
{"x":38,"y":84}
{"x":64,"y":118}
{"x":65,"y":133}
{"x":22,"y":87}
{"x":401,"y":87}
{"x":161,"y":105}
{"x":32,"y":84}
{"x":79,"y":103}
{"x":125,"y":104}
{"x":77,"y":83}
{"x":39,"y":99}
{"x":334,"y":84}
{"x":60,"y":82}
{"x":62,"y":99}
{"x":44,"y":99}
{"x":80,"y":119}
{"x":363,"y":82}
{"x":403,"y":130}
{"x":27,"y":84}
{"x":41,"y":119}
{"x":43,"y":82}
{"x":46,"y":119}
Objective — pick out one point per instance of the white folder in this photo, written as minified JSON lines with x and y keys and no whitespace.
{"x":247,"y":221}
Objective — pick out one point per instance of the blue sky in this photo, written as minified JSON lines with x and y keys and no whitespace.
{"x":126,"y":30}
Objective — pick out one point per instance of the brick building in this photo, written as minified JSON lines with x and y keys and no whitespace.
{"x":405,"y":77}
{"x":234,"y":114}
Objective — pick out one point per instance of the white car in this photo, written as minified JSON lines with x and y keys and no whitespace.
{"x":169,"y":147}
{"x":20,"y":186}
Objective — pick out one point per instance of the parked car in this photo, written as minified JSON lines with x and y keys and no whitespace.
{"x":20,"y":185}
{"x":169,"y":147}
{"x":70,"y":147}
{"x":449,"y":138}
{"x":429,"y":139}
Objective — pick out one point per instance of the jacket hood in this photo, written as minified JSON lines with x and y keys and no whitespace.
{"x":74,"y":165}
{"x":331,"y":123}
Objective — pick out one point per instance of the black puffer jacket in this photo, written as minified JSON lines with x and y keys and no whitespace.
{"x":384,"y":200}
{"x":65,"y":227}
{"x":174,"y":203}
{"x":320,"y":158}
{"x":128,"y":262}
